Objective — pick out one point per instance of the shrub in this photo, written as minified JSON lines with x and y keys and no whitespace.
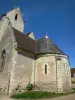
{"x":29,"y":86}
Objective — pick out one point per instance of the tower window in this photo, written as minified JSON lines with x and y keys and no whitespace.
{"x":16,"y":16}
{"x":3,"y":56}
{"x":45,"y":69}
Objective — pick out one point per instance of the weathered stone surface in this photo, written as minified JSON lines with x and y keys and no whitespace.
{"x":47,"y":86}
{"x":58,"y":71}
{"x":7,"y":42}
{"x":46,"y":81}
{"x":18,"y":23}
{"x":24,"y":71}
{"x":63,"y":75}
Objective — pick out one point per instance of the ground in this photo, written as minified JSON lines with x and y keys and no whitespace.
{"x":68,"y":97}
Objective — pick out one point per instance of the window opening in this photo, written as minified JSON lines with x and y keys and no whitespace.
{"x":45,"y":69}
{"x":16,"y":17}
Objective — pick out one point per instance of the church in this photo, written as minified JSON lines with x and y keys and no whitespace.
{"x":24,"y":59}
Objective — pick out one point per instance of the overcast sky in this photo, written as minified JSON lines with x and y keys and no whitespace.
{"x":56,"y":17}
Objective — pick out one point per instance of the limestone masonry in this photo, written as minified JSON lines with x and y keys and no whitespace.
{"x":24,"y":59}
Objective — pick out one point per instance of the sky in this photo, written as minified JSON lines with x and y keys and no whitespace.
{"x":56,"y":17}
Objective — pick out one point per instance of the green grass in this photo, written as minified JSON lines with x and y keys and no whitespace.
{"x":39,"y":95}
{"x":36,"y":95}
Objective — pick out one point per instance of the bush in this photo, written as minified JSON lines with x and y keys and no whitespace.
{"x":29,"y":86}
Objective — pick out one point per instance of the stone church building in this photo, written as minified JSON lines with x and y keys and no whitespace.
{"x":24,"y":59}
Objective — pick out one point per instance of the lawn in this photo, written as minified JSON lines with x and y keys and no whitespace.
{"x":38,"y":95}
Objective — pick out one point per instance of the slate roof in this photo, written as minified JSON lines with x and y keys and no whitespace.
{"x":46,"y":45}
{"x":24,"y":42}
{"x":43,"y":45}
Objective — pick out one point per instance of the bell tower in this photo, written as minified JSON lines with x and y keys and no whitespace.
{"x":16,"y":19}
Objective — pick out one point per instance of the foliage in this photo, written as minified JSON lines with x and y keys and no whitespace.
{"x":29,"y":86}
{"x":17,"y":88}
{"x":36,"y":95}
{"x":39,"y":95}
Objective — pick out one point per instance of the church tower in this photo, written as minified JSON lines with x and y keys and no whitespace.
{"x":16,"y":19}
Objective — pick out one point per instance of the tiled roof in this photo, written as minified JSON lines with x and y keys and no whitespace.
{"x":43,"y":45}
{"x":46,"y":45}
{"x":24,"y":42}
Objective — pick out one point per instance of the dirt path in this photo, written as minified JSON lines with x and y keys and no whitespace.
{"x":68,"y":97}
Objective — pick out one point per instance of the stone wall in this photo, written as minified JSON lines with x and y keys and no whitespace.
{"x":18,"y":69}
{"x":46,"y":82}
{"x":66,"y":75}
{"x":58,"y":77}
{"x":24,"y":71}
{"x":7,"y":43}
{"x":18,"y":23}
{"x":63,"y":75}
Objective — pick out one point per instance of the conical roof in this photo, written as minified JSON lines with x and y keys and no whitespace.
{"x":46,"y":45}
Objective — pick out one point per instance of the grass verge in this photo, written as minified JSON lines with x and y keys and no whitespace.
{"x":39,"y":95}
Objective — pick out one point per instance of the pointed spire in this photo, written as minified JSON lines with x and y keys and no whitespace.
{"x":46,"y":35}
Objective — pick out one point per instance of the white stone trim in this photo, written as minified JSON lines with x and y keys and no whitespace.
{"x":42,"y":55}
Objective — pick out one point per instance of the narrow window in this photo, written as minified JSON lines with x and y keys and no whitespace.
{"x":45,"y":69}
{"x":16,"y":17}
{"x":3,"y":55}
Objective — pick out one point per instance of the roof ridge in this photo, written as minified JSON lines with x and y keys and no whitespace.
{"x":28,"y":33}
{"x":23,"y":34}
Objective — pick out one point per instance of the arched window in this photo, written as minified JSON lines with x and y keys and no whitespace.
{"x":3,"y":56}
{"x":45,"y":69}
{"x":16,"y":16}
